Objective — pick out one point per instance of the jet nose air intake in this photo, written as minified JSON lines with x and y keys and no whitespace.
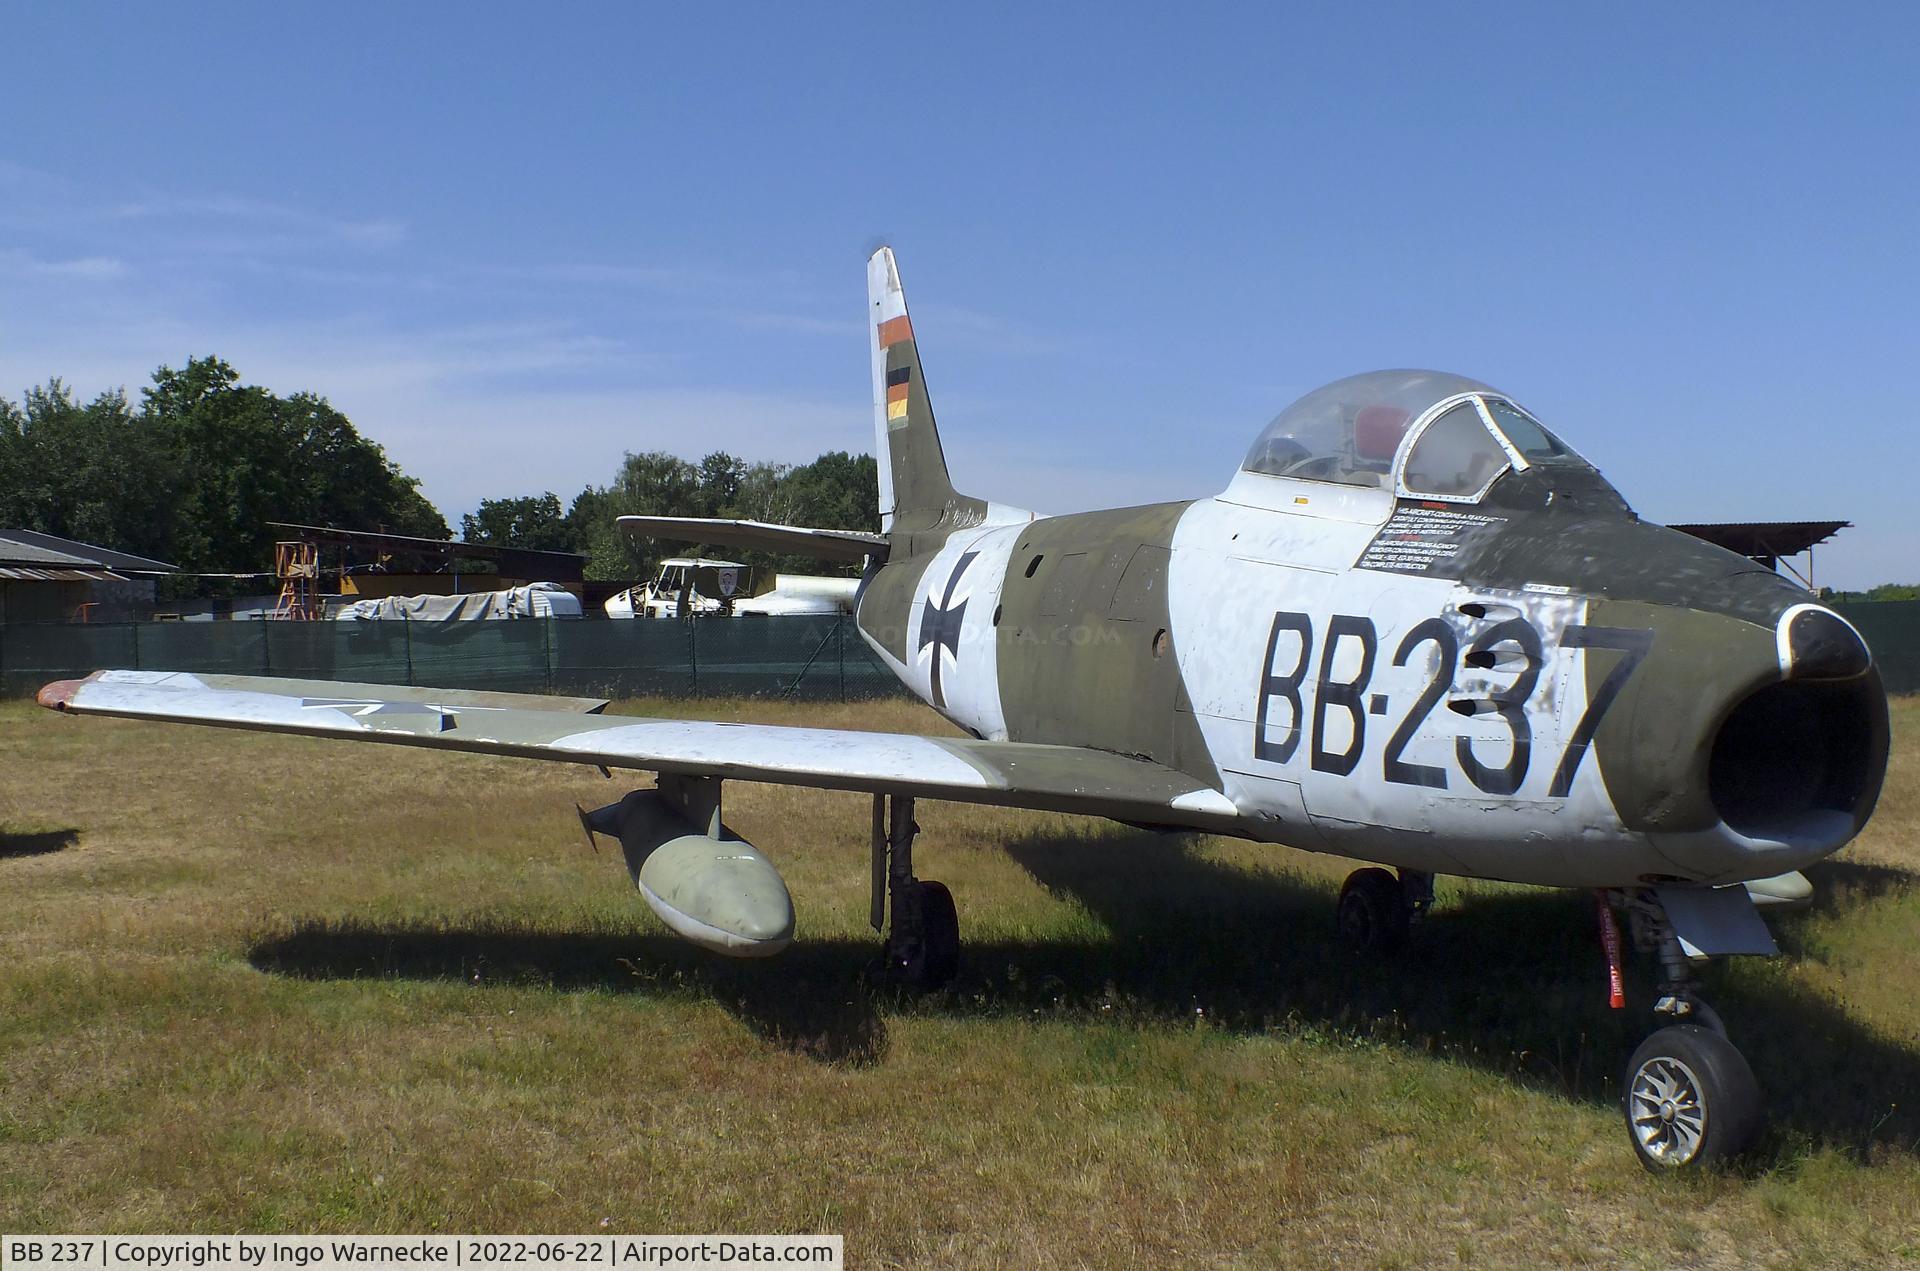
{"x":1801,"y":759}
{"x":1795,"y":765}
{"x":1754,"y":742}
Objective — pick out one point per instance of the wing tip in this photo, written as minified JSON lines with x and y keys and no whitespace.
{"x":58,"y":695}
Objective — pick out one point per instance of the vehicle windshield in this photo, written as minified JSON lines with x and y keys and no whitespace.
{"x":1456,"y":456}
{"x":1352,"y":431}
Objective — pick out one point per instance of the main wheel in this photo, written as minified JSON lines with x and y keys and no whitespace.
{"x":933,"y":958}
{"x":1373,"y":914}
{"x":1689,"y":1099}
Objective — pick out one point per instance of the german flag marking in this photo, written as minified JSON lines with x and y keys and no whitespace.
{"x":895,"y":330}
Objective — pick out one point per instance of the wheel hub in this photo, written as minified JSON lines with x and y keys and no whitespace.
{"x":1667,"y":1112}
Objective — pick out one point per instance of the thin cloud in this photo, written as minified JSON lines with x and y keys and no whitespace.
{"x":83,"y":267}
{"x":988,"y":332}
{"x":371,"y":232}
{"x":18,"y":176}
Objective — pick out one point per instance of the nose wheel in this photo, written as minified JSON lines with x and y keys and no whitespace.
{"x":1689,"y":1099}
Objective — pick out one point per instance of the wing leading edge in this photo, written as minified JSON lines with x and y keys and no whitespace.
{"x":1007,"y":774}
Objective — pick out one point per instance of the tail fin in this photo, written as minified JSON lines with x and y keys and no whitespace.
{"x":915,"y":490}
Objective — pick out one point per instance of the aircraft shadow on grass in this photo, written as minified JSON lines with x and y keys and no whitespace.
{"x":1507,"y":981}
{"x":40,"y":843}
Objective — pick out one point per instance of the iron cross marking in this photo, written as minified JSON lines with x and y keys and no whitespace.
{"x":940,"y":625}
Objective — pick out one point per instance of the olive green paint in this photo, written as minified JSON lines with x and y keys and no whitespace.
{"x":1655,"y":742}
{"x":1085,"y":644}
{"x":886,"y":602}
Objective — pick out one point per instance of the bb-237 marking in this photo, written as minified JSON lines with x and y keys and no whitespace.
{"x":1508,"y":703}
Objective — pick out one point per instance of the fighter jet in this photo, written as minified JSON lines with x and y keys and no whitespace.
{"x":1416,"y":629}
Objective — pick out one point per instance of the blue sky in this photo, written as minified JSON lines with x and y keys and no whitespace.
{"x":513,"y":243}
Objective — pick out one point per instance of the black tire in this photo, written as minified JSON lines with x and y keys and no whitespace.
{"x":933,"y":959}
{"x":1372,"y":913}
{"x":1689,"y":1100}
{"x":1706,"y":1017}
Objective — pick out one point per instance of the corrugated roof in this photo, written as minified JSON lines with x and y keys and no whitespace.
{"x":11,"y":550}
{"x":24,"y":574}
{"x":1765,"y":538}
{"x":28,"y":547}
{"x":31,"y":546}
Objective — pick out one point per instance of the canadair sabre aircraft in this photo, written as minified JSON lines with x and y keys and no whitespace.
{"x":1416,"y":629}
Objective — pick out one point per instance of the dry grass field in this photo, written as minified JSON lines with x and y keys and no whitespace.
{"x":262,"y":983}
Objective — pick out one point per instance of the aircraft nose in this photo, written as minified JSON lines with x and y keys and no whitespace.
{"x":1790,"y":749}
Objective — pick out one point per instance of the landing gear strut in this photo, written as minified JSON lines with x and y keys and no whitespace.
{"x":1688,"y":1096}
{"x":923,"y":939}
{"x":1376,"y":910}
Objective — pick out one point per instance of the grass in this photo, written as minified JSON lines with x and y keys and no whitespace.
{"x":251,"y":982}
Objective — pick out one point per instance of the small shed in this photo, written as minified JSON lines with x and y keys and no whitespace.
{"x":45,"y":578}
{"x":1770,"y":542}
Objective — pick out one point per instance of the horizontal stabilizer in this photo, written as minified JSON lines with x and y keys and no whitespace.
{"x":840,"y":545}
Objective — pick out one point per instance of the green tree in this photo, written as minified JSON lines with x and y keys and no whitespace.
{"x":98,"y":473}
{"x":532,"y":521}
{"x":721,"y":476}
{"x":835,"y":491}
{"x":248,"y":457}
{"x":652,"y":483}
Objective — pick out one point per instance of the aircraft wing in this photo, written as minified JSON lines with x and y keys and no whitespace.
{"x":1008,"y":774}
{"x":344,"y":690}
{"x":841,"y":545}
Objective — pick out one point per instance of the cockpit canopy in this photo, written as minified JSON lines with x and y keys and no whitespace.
{"x":1421,"y":434}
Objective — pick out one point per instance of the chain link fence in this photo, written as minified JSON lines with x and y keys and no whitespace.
{"x":817,"y":658}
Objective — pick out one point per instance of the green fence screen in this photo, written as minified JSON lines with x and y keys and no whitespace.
{"x":811,"y":657}
{"x":1892,"y":630}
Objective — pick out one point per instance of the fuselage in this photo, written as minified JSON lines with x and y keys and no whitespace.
{"x":1539,"y":687}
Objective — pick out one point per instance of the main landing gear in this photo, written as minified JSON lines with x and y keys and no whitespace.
{"x":1688,"y":1096}
{"x":1377,"y":910}
{"x":923,"y":939}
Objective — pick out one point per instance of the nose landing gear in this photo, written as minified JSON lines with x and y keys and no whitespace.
{"x":1688,"y":1096}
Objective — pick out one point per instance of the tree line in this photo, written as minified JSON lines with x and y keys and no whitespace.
{"x":835,"y":491}
{"x":1885,"y":591}
{"x":195,"y":472}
